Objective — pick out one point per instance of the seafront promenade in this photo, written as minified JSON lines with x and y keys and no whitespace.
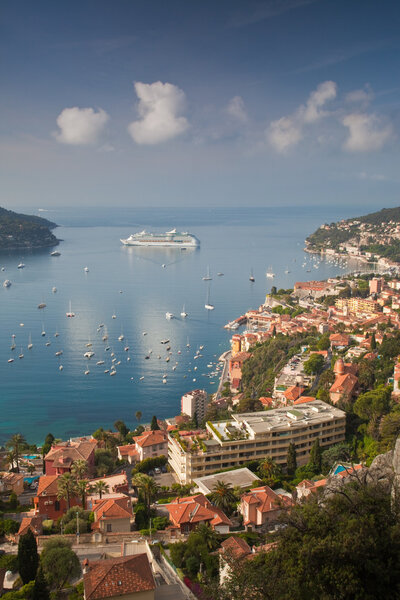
{"x":225,"y":357}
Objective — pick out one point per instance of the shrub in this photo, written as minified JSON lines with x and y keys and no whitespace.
{"x":9,"y":562}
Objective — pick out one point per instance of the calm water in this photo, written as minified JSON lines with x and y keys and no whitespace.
{"x":36,"y":397}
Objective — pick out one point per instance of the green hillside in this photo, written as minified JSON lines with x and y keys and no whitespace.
{"x":19,"y":231}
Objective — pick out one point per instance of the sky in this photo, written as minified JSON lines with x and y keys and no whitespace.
{"x":192,"y":103}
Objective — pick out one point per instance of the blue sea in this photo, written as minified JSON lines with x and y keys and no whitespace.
{"x":130,"y":283}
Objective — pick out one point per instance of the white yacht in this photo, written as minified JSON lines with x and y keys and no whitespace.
{"x":55,"y":253}
{"x":170,"y":238}
{"x":169,"y":315}
{"x":270,"y":274}
{"x":208,"y":305}
{"x":70,"y":313}
{"x":184,"y":313}
{"x":21,"y":266}
{"x":6,"y":283}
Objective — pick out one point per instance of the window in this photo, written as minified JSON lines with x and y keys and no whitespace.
{"x":109,"y":527}
{"x":57,"y":505}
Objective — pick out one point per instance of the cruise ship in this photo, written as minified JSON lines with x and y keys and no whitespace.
{"x":170,"y":238}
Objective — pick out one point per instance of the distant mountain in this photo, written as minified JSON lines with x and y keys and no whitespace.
{"x":373,"y":236}
{"x":19,"y":231}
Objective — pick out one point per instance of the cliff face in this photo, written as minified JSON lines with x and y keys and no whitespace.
{"x":18,"y":231}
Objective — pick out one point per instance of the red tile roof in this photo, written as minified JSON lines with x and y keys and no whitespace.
{"x":344,"y":384}
{"x":113,"y":508}
{"x":265,"y":498}
{"x":34,"y":523}
{"x":67,"y":452}
{"x":194,"y":509}
{"x":235,"y":547}
{"x":118,"y":577}
{"x":48,"y":485}
{"x":293,"y":392}
{"x":149,"y":438}
{"x":304,"y":399}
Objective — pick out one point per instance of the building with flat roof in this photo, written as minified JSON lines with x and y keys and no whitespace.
{"x":250,"y":436}
{"x":194,"y":403}
{"x":242,"y":478}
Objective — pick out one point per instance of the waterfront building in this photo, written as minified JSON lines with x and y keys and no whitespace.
{"x":250,"y":436}
{"x":62,"y":455}
{"x":194,"y":403}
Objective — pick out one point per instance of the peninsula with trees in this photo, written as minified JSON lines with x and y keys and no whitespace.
{"x":19,"y":231}
{"x":372,"y":238}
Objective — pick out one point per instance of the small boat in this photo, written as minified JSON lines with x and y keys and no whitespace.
{"x":10,"y":360}
{"x":287,"y":271}
{"x":184,"y":313}
{"x":107,"y":348}
{"x":164,"y":381}
{"x":21,"y":355}
{"x":208,"y":276}
{"x":114,"y":316}
{"x":3,"y":268}
{"x":168,"y":348}
{"x":58,"y":353}
{"x":112,"y":373}
{"x":43,"y":331}
{"x":167,"y":359}
{"x":54,"y":290}
{"x":163,"y":265}
{"x":70,"y":313}
{"x":169,"y":315}
{"x":48,"y":343}
{"x":100,"y":362}
{"x":86,"y":269}
{"x":56,"y":334}
{"x":251,"y":278}
{"x":42,"y":305}
{"x":121,"y":337}
{"x":89,"y":345}
{"x":22,"y":324}
{"x":141,"y":378}
{"x":147,"y":356}
{"x":208,"y":305}
{"x":106,"y":370}
{"x":128,"y":359}
{"x":270,"y":274}
{"x":126,"y":349}
{"x":87,"y":372}
{"x":101,"y":325}
{"x":201,"y":347}
{"x":88,"y":354}
{"x":7,"y":283}
{"x":220,"y":274}
{"x":164,"y":341}
{"x":30,"y":345}
{"x":174,"y":368}
{"x":60,"y":368}
{"x":55,"y":253}
{"x":144,"y":333}
{"x":21,"y":266}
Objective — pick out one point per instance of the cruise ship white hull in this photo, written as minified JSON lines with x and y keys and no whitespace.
{"x":163,"y":244}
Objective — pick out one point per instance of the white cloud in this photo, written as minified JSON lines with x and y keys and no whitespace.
{"x":159,"y":108}
{"x":366,"y":132}
{"x":236,"y":108}
{"x":359,"y":96}
{"x":288,"y":131}
{"x":313,"y":110}
{"x":80,"y":126}
{"x":284,"y":133}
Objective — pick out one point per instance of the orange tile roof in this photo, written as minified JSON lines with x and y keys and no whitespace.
{"x":304,"y":399}
{"x":116,"y":577}
{"x":128,"y":450}
{"x":235,"y":547}
{"x":194,"y":509}
{"x":113,"y":508}
{"x":293,"y":392}
{"x":149,"y":438}
{"x":70,"y":451}
{"x":344,"y":384}
{"x":48,"y":485}
{"x":265,"y":498}
{"x":33,"y":523}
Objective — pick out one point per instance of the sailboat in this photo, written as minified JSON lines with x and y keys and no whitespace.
{"x":208,"y":305}
{"x":43,"y":330}
{"x":251,"y":278}
{"x":21,"y":355}
{"x":13,"y":342}
{"x":70,"y":313}
{"x":208,"y":276}
{"x":30,"y":345}
{"x":287,"y":270}
{"x":184,"y":313}
{"x":270,"y":274}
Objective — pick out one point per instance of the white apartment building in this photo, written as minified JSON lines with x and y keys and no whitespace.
{"x":250,"y":436}
{"x":194,"y":403}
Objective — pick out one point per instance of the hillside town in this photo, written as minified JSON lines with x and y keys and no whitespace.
{"x":308,"y":403}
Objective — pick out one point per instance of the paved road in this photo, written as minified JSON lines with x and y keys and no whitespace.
{"x":225,"y":371}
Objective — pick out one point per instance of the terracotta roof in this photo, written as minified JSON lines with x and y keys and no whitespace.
{"x":128,"y":450}
{"x":235,"y":547}
{"x":33,"y":523}
{"x":265,"y":498}
{"x":344,"y":384}
{"x":149,"y":438}
{"x":304,"y":399}
{"x":118,"y":577}
{"x":195,"y":509}
{"x":48,"y":485}
{"x":240,"y":357}
{"x":113,"y":508}
{"x":66,"y":452}
{"x":293,"y":392}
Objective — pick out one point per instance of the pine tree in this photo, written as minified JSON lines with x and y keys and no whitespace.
{"x":28,"y":558}
{"x":315,"y":461}
{"x":291,"y":460}
{"x":373,"y":341}
{"x":40,"y":591}
{"x":154,"y":425}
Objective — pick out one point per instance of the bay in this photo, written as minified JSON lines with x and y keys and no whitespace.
{"x":130,"y":283}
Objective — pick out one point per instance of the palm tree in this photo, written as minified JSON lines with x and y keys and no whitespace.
{"x":82,"y":489}
{"x":223,"y":495}
{"x":269,"y":470}
{"x":138,"y":415}
{"x":208,"y":535}
{"x":11,"y":458}
{"x":100,"y":487}
{"x":15,"y":442}
{"x":67,"y":488}
{"x":147,"y":486}
{"x":79,"y":469}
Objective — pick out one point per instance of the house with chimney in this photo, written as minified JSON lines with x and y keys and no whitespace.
{"x":187,"y":513}
{"x":112,"y":515}
{"x":261,"y":506}
{"x":62,"y":455}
